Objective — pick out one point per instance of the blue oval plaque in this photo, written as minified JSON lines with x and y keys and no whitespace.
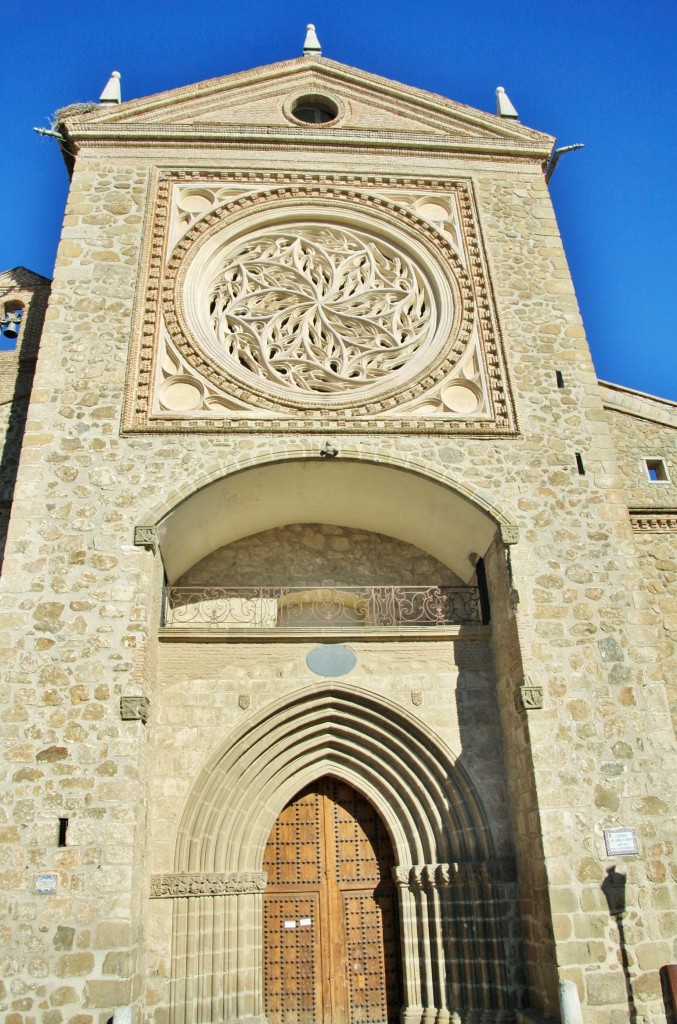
{"x":331,"y":660}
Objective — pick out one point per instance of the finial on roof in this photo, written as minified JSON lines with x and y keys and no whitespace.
{"x":112,"y":94}
{"x":311,"y":47}
{"x":504,"y":107}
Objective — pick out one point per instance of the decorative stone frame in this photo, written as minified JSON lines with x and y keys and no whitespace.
{"x":384,"y":199}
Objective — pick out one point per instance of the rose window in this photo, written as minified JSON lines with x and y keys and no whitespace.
{"x":318,"y":308}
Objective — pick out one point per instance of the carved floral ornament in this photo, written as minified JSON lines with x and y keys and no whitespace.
{"x":240,"y":883}
{"x":315,"y":304}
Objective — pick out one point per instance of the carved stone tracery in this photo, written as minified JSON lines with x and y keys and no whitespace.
{"x":317,"y":308}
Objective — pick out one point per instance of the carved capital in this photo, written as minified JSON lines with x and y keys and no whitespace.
{"x":510,"y":534}
{"x":529,"y":696}
{"x":145,"y":537}
{"x":402,"y":877}
{"x":429,"y":875}
{"x":446,"y":874}
{"x":462,"y":874}
{"x":134,"y":709}
{"x":232,"y":883}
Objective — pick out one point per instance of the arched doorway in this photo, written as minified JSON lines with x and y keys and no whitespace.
{"x":331,"y":951}
{"x":459,"y":947}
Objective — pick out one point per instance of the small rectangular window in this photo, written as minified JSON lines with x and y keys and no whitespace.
{"x":63,"y":830}
{"x":656,"y":470}
{"x":579,"y":464}
{"x":559,"y":376}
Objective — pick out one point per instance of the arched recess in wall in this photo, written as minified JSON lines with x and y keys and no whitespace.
{"x":409,"y":503}
{"x":454,"y":894}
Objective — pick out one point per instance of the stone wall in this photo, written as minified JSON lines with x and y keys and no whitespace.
{"x":642,"y":429}
{"x":646,"y":428}
{"x":320,"y":554}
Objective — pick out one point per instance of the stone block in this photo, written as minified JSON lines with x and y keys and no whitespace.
{"x":606,"y":988}
{"x":107,"y":993}
{"x":72,"y":965}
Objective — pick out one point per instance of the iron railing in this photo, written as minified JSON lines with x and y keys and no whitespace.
{"x":303,"y":608}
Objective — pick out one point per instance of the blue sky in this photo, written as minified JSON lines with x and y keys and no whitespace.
{"x":599,"y":73}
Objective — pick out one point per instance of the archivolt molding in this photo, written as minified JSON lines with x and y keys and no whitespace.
{"x":181,"y":382}
{"x":424,"y":796}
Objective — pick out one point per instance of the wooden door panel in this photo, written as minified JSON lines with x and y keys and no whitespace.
{"x":293,"y":854}
{"x":363,"y":851}
{"x":372,"y":959}
{"x":292,"y":984}
{"x":331,"y":943}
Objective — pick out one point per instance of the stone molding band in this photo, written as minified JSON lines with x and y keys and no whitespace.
{"x":654,"y":520}
{"x":231,"y":883}
{"x":234,"y":883}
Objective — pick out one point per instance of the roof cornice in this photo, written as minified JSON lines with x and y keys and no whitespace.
{"x":82,"y":134}
{"x":616,"y":398}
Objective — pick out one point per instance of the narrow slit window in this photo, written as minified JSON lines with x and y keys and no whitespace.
{"x":579,"y":464}
{"x":63,"y":831}
{"x":559,"y":376}
{"x":656,"y":470}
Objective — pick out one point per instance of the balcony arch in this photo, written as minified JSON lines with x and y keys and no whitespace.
{"x":450,"y":521}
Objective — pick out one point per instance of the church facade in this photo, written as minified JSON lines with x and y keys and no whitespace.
{"x":338,"y":613}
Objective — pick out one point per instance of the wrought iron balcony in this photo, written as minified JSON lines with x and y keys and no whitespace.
{"x":303,"y":609}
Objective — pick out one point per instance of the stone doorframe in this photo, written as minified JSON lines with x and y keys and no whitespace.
{"x":454,"y":895}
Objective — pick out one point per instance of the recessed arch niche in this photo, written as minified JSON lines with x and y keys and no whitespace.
{"x":446,"y":521}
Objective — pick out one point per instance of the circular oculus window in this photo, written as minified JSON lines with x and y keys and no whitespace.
{"x":312,"y":109}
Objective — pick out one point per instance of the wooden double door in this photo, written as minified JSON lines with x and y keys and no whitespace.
{"x":331,"y":944}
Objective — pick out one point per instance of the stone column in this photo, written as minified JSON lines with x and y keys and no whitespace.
{"x":429,"y":880}
{"x":412,"y":1009}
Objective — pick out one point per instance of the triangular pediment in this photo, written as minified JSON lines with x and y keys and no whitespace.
{"x":261,"y":100}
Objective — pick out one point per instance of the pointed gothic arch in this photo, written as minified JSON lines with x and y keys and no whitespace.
{"x":453,"y":892}
{"x":422,"y":792}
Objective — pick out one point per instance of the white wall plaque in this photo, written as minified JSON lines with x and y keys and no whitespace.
{"x":45,"y":883}
{"x":620,"y":842}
